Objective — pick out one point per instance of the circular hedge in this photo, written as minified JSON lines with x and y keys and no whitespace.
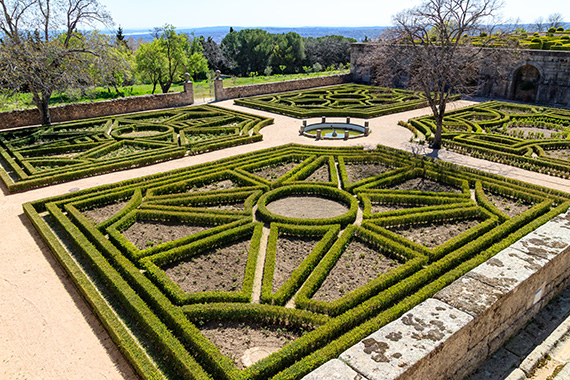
{"x":308,"y":190}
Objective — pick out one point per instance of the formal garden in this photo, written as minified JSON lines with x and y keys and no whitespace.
{"x":295,"y":252}
{"x":531,"y":137}
{"x":62,"y":152}
{"x":352,"y":100}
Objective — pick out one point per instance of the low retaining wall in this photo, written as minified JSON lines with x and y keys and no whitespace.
{"x":78,"y":111}
{"x":449,"y":335}
{"x":270,"y":88}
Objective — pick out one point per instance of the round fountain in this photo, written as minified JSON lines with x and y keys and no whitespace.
{"x":334,"y":130}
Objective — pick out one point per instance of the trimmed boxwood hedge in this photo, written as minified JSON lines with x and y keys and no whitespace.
{"x":40,"y":156}
{"x":520,"y":135}
{"x":128,"y":287}
{"x":352,"y":100}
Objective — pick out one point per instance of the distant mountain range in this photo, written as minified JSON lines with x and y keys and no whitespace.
{"x":218,"y":32}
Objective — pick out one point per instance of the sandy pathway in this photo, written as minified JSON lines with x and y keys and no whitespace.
{"x":47,"y":331}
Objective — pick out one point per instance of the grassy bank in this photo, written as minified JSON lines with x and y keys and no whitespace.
{"x":203,"y":90}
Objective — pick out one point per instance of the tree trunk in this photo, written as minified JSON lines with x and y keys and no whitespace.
{"x":438,"y":130}
{"x":41,"y":100}
{"x":153,"y":87}
{"x":118,"y":91}
{"x":44,"y":109}
{"x":165,"y":86}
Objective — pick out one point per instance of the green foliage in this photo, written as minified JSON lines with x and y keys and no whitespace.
{"x":530,"y":137}
{"x":128,"y":286}
{"x":343,"y":100}
{"x":39,"y":156}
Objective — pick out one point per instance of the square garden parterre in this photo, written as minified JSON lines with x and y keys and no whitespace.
{"x":195,"y":270}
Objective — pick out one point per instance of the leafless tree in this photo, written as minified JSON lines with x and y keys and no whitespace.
{"x":539,"y":23}
{"x":431,"y":49}
{"x":555,"y":20}
{"x":44,"y":50}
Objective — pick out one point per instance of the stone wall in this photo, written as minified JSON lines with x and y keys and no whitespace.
{"x":553,"y":86}
{"x":223,"y":93}
{"x":79,"y":111}
{"x":449,"y":335}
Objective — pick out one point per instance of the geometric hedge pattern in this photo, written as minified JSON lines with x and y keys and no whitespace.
{"x":39,"y":156}
{"x":152,"y":296}
{"x":353,"y":100}
{"x":531,"y":137}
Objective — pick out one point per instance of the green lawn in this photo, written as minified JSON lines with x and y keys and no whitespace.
{"x":202,"y":90}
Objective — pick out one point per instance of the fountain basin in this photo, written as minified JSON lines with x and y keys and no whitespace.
{"x":335,"y":131}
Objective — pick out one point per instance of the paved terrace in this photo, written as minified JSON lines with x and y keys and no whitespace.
{"x":47,"y":331}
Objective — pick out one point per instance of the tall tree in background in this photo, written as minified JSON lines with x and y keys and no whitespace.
{"x":150,"y":63}
{"x":249,"y":50}
{"x":174,"y":48}
{"x":555,"y":20}
{"x":288,"y":51}
{"x":197,"y":64}
{"x":213,"y":54}
{"x":328,"y":50}
{"x":43,"y":49}
{"x":429,"y":50}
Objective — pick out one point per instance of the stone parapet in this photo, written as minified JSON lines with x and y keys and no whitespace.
{"x":449,"y":335}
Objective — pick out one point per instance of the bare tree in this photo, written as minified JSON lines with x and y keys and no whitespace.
{"x":44,"y":50}
{"x":539,"y":23}
{"x":431,"y":49}
{"x":555,"y":20}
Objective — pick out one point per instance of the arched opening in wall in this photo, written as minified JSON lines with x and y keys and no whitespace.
{"x":525,"y":83}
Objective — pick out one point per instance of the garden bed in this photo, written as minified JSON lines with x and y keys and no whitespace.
{"x":180,"y":255}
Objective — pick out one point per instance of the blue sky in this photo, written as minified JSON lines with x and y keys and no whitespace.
{"x":146,"y":14}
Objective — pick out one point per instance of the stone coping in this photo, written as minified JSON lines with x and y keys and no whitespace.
{"x":448,"y":335}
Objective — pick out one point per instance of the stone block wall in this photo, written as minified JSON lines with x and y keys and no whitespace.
{"x":79,"y":111}
{"x":553,"y":87}
{"x":223,"y":93}
{"x":449,"y":335}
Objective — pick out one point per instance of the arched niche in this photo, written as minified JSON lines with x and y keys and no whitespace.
{"x":525,"y":83}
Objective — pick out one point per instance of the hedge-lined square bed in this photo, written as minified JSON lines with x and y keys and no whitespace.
{"x":311,"y":286}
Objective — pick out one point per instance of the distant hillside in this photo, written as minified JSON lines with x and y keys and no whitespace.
{"x":218,"y":32}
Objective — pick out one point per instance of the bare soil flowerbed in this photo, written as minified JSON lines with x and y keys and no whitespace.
{"x":307,"y":207}
{"x":562,"y":154}
{"x":358,"y":265}
{"x":229,"y":207}
{"x":384,"y":207}
{"x":423,"y":184}
{"x":320,"y":175}
{"x":148,"y":234}
{"x":220,"y":270}
{"x":432,"y":235}
{"x":235,"y":338}
{"x":100,"y":214}
{"x":507,"y":205}
{"x":291,"y":251}
{"x":358,"y":172}
{"x":271,"y":173}
{"x":222,"y":185}
{"x":527,"y":130}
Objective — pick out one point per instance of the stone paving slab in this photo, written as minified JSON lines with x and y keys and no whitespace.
{"x":334,"y":370}
{"x":469,"y":295}
{"x":548,"y":240}
{"x":402,"y":344}
{"x":506,"y":270}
